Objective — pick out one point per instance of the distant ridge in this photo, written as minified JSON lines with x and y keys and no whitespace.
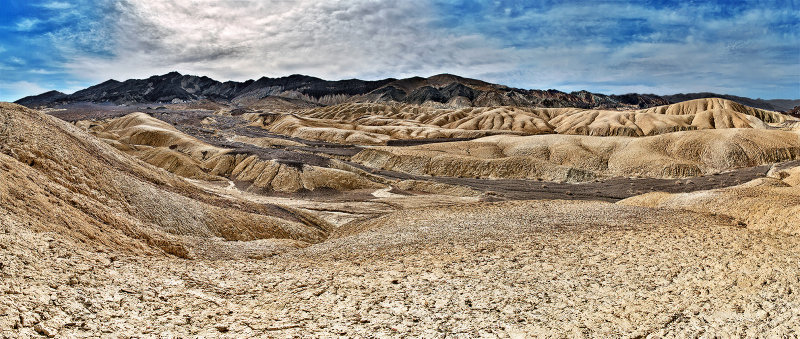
{"x":780,"y":105}
{"x":44,"y":99}
{"x":306,"y":91}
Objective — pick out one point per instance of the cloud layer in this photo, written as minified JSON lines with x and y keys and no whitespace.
{"x":245,"y":39}
{"x":750,"y":49}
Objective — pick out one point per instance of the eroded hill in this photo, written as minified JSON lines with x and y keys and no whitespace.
{"x":57,"y":178}
{"x":379,"y":123}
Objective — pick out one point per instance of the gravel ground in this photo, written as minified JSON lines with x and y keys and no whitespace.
{"x":507,"y":269}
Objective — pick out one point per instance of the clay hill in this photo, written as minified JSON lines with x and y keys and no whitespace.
{"x":372,"y":123}
{"x":305,"y":91}
{"x":56,"y":178}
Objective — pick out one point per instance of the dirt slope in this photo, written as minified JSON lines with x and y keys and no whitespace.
{"x":57,"y":178}
{"x":771,"y":204}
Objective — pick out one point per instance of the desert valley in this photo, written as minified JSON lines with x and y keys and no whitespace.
{"x":180,"y":206}
{"x":399,"y":169}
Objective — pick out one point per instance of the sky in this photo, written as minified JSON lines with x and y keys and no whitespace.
{"x":746,"y":48}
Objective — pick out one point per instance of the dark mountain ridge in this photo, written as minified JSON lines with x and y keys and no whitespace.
{"x":444,"y":89}
{"x":44,"y":99}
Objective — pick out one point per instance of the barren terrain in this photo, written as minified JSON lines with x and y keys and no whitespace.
{"x":394,"y":219}
{"x":505,"y":269}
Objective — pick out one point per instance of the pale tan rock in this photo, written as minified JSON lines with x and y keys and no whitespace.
{"x":44,"y":330}
{"x":287,"y":179}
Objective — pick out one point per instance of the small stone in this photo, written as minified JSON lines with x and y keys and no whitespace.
{"x":44,"y":330}
{"x":27,"y":319}
{"x":761,"y":315}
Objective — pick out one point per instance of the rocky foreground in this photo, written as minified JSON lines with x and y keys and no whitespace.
{"x":510,"y":269}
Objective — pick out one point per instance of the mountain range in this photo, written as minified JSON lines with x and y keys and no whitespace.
{"x":308,"y":91}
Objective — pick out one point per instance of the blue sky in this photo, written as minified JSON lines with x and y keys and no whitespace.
{"x":748,"y":48}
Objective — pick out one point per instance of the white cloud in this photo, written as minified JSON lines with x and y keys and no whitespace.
{"x":16,"y":60}
{"x":11,"y":91}
{"x":42,"y":71}
{"x":27,"y":24}
{"x":56,"y":5}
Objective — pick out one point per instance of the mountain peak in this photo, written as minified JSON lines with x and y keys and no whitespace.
{"x":41,"y":99}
